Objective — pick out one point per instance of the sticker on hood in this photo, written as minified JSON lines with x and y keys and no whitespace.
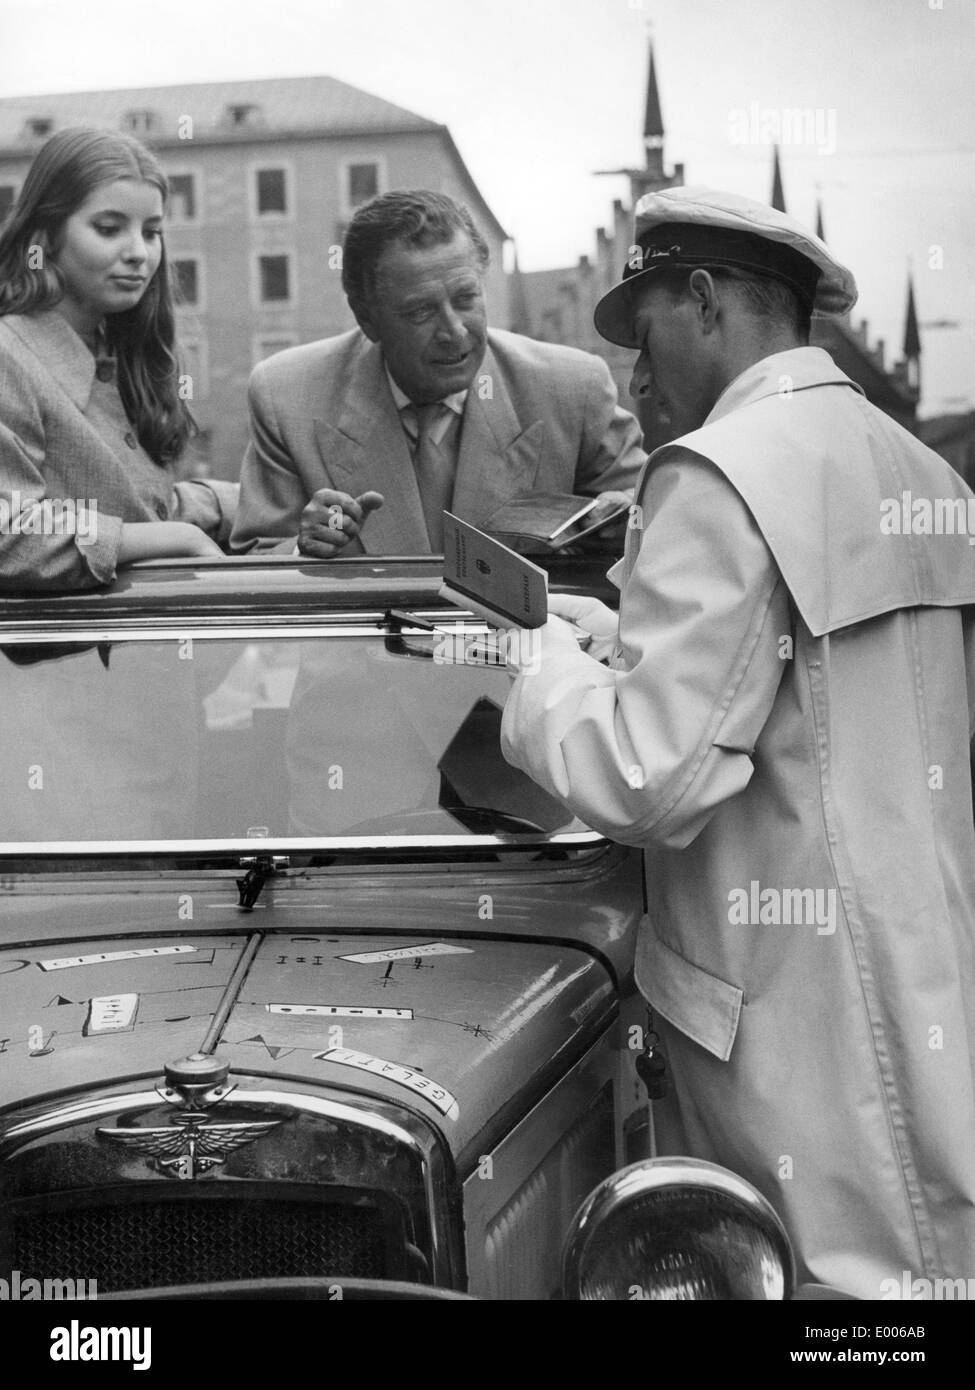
{"x":337,"y":1011}
{"x":111,"y":1013}
{"x":431,"y":948}
{"x":105,"y":957}
{"x":438,"y":1096}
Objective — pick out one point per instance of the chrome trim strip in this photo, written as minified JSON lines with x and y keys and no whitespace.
{"x":115,"y":848}
{"x":353,"y":623}
{"x":171,"y":631}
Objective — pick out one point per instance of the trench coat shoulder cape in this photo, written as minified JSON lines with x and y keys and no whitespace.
{"x":785,"y":730}
{"x":538,"y":417}
{"x":65,"y":440}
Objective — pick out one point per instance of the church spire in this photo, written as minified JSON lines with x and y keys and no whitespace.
{"x":653,"y":125}
{"x":819,"y":220}
{"x":778,"y":193}
{"x":912,"y":338}
{"x":912,"y":342}
{"x":653,"y":121}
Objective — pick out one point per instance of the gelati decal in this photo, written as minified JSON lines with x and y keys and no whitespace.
{"x":432,"y":948}
{"x":438,"y":1096}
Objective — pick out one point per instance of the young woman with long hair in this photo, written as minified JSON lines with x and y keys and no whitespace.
{"x":92,"y":421}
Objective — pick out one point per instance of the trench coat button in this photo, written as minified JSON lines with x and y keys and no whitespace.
{"x":131,"y":440}
{"x":162,"y":511}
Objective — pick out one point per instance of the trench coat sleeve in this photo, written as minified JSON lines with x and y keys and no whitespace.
{"x":611,"y":452}
{"x":210,"y":503}
{"x":82,"y":559}
{"x":649,"y":752}
{"x":272,"y":494}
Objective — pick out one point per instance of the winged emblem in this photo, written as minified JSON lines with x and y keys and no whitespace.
{"x":190,"y":1146}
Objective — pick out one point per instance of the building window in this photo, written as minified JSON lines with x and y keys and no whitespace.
{"x":271,"y":191}
{"x":182,"y":197}
{"x":361,"y":180}
{"x":267,"y":344}
{"x":8,"y":196}
{"x":187,"y":273}
{"x":140,"y":122}
{"x":275,"y":279}
{"x":243,"y":113}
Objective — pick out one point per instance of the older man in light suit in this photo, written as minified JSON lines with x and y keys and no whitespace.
{"x":360,"y":441}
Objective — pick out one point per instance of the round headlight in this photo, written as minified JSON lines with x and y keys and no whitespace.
{"x":677,"y":1228}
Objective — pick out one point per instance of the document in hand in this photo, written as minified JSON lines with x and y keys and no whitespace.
{"x":485,"y":577}
{"x":535,"y":522}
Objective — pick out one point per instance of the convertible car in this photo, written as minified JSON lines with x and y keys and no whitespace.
{"x":303,"y":991}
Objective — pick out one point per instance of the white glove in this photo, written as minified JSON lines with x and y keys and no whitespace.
{"x":526,"y":649}
{"x":591,"y":619}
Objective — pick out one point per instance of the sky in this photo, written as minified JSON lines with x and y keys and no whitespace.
{"x":540,"y":94}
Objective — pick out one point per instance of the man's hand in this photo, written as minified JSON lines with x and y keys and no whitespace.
{"x":331,"y":519}
{"x":612,"y":536}
{"x":607,"y":503}
{"x":590,"y":617}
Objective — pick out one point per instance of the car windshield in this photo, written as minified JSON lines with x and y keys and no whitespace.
{"x":338,"y":735}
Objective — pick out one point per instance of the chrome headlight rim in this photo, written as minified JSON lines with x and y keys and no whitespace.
{"x":674,"y":1174}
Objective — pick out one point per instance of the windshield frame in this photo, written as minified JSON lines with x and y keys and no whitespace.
{"x":331,"y":625}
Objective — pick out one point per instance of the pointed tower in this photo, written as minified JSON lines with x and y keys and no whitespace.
{"x":819,"y":220}
{"x":912,"y":342}
{"x":653,"y":175}
{"x":653,"y":125}
{"x":778,"y":193}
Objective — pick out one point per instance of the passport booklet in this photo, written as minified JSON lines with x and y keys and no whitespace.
{"x":489,"y":579}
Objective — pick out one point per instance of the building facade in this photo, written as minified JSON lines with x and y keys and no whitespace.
{"x":265,"y":176}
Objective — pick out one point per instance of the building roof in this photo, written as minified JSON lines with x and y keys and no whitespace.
{"x":271,"y":108}
{"x":219,"y":110}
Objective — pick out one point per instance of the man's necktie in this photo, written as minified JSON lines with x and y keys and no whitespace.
{"x":435,"y":466}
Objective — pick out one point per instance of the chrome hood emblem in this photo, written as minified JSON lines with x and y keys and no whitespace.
{"x":190,"y":1146}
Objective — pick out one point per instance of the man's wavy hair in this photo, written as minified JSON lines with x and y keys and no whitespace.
{"x":65,"y":172}
{"x":413,"y":217}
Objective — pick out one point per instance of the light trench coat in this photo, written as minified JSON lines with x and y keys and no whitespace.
{"x":785,"y":730}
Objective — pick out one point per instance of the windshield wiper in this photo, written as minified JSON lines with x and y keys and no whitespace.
{"x":260,"y":867}
{"x":395,"y":619}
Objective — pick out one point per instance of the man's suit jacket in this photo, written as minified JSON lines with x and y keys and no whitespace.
{"x":64,"y":436}
{"x":537,"y":418}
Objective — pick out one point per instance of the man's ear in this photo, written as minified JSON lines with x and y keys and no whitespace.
{"x":704,"y":293}
{"x":363,"y":317}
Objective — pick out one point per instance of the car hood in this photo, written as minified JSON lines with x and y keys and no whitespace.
{"x":461,"y":1029}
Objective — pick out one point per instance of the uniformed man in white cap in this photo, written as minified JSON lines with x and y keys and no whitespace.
{"x":784,"y":726}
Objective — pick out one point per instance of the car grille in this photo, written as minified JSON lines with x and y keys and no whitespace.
{"x":136,"y":1245}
